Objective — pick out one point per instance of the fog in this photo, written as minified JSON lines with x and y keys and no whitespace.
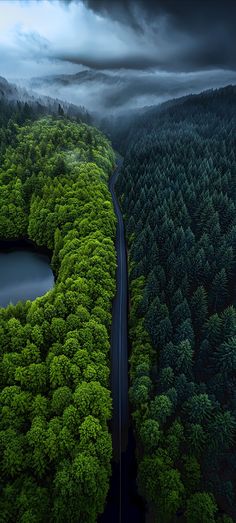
{"x":119,"y":55}
{"x":114,"y":92}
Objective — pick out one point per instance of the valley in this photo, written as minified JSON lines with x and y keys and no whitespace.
{"x":117,"y":261}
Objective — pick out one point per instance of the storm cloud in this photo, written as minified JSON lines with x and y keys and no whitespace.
{"x":206,"y":28}
{"x":148,"y":50}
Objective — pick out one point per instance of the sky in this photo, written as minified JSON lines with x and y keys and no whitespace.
{"x":147,"y":50}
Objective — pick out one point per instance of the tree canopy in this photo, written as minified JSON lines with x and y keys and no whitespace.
{"x":54,"y":351}
{"x":178,"y":193}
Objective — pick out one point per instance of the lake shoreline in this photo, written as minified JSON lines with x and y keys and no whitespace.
{"x":24,"y":244}
{"x":25,"y":271}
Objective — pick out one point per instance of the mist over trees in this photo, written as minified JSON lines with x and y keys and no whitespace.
{"x":20,"y":104}
{"x":178,"y":194}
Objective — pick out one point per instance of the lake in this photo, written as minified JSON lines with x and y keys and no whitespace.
{"x":25,"y":273}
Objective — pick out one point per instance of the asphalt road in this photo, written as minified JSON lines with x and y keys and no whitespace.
{"x":119,"y":335}
{"x":123,"y":503}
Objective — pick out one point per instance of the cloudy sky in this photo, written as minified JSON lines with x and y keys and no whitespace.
{"x":146,"y":50}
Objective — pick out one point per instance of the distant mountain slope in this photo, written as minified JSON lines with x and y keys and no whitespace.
{"x":11,"y":93}
{"x":7,"y":90}
{"x":73,"y":79}
{"x":125,"y":129}
{"x":113,"y":91}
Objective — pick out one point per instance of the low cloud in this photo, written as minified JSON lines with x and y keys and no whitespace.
{"x":149,"y":50}
{"x":111,"y":92}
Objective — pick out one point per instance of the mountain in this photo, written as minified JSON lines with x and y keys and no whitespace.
{"x":123,"y":128}
{"x":83,"y":77}
{"x":7,"y":90}
{"x":94,"y":89}
{"x":13,"y":94}
{"x":112,"y":92}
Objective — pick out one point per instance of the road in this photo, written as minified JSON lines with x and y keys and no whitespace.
{"x":123,"y":504}
{"x":119,"y":335}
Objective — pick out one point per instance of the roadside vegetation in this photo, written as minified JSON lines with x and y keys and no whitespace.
{"x":178,"y":192}
{"x":55,"y":447}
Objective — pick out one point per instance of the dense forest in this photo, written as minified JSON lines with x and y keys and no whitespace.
{"x":178,"y":192}
{"x":55,"y":446}
{"x":20,"y":109}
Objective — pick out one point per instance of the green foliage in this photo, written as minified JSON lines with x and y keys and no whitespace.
{"x":54,"y":364}
{"x":150,"y":434}
{"x":161,"y":484}
{"x":178,"y":194}
{"x":201,"y":508}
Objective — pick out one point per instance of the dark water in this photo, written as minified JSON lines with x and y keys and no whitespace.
{"x":25,"y":273}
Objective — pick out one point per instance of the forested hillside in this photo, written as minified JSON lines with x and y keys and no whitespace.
{"x":18,"y":106}
{"x":178,"y":192}
{"x":55,"y":448}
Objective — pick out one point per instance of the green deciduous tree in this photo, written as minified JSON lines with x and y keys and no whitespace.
{"x":201,"y":508}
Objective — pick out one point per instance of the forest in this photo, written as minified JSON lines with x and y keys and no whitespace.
{"x":178,"y":194}
{"x":117,"y":261}
{"x":55,"y":443}
{"x":177,"y":190}
{"x":17,"y":111}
